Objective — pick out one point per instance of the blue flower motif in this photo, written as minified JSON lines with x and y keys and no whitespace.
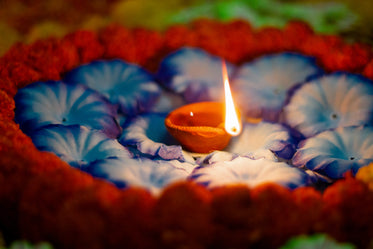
{"x":250,"y":172}
{"x":194,"y":74}
{"x":79,"y":146}
{"x":149,"y":135}
{"x":335,"y":100}
{"x":332,"y":153}
{"x":261,"y":86}
{"x":153,"y":175}
{"x":127,"y":85}
{"x":167,"y":102}
{"x":55,"y":102}
{"x":268,"y":140}
{"x":214,"y":157}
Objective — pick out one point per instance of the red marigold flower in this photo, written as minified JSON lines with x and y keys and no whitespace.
{"x":85,"y":212}
{"x":176,"y":213}
{"x":309,"y":203}
{"x":7,"y":86}
{"x":233,"y":211}
{"x":319,"y":45}
{"x":6,"y":106}
{"x":17,"y":52}
{"x":131,"y":221}
{"x":118,"y":43}
{"x":52,"y":57}
{"x":368,"y":70}
{"x":239,"y":41}
{"x":296,"y":32}
{"x":39,"y":219}
{"x":349,"y":57}
{"x":87,"y":43}
{"x":279,"y":222}
{"x":12,"y":138}
{"x":49,"y":57}
{"x":178,"y":36}
{"x":270,"y":40}
{"x":347,"y":214}
{"x":20,"y":74}
{"x":18,"y":168}
{"x":148,"y":44}
{"x":211,"y":36}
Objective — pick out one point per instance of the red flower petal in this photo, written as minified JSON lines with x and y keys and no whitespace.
{"x":177,"y":212}
{"x":6,"y":106}
{"x":88,"y":45}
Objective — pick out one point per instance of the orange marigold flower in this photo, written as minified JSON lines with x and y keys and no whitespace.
{"x":365,"y":174}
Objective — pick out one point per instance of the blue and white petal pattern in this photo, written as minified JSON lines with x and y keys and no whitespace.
{"x":331,"y":101}
{"x":153,"y":175}
{"x":55,"y":102}
{"x":129,"y":86}
{"x":333,"y":153}
{"x":167,"y":102}
{"x":263,"y":140}
{"x":149,"y":135}
{"x":214,"y":157}
{"x":243,"y":170}
{"x":79,"y":146}
{"x":261,"y":86}
{"x":194,"y":74}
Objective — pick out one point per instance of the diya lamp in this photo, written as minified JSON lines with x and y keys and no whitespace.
{"x":206,"y":126}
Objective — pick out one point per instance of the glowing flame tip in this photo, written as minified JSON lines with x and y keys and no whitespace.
{"x":232,"y":123}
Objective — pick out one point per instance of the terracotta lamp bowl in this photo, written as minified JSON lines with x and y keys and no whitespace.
{"x":199,"y":127}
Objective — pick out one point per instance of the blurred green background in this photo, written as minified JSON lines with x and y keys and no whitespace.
{"x":29,"y":20}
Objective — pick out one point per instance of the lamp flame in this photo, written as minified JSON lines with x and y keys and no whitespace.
{"x":232,"y":122}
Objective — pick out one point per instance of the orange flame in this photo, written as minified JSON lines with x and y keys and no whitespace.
{"x":232,"y":122}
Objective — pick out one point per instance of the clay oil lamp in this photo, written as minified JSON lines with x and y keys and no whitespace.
{"x":204,"y":127}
